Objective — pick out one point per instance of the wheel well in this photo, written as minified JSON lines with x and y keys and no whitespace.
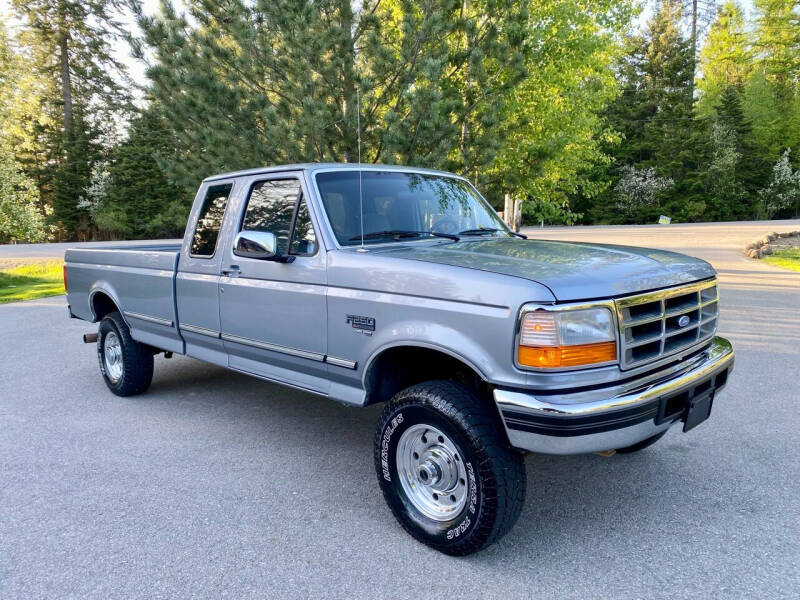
{"x":398,"y":368}
{"x":102,"y":304}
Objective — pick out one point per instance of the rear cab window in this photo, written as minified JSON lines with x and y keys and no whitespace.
{"x":209,"y":221}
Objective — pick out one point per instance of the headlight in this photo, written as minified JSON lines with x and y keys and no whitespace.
{"x":569,"y":338}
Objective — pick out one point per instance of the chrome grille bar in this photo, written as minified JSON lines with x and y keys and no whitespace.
{"x":656,"y":325}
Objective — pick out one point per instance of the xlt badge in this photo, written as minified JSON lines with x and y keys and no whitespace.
{"x":363,"y":324}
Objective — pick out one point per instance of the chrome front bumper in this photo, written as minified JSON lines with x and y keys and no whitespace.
{"x":575,"y":426}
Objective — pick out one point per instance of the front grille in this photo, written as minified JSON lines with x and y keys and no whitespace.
{"x":654,"y":325}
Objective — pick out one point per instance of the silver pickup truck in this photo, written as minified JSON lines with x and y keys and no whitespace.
{"x":372,"y":284}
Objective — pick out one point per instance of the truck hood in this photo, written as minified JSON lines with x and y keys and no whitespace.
{"x":571,"y":270}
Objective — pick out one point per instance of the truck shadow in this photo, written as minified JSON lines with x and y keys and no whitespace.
{"x":590,"y":499}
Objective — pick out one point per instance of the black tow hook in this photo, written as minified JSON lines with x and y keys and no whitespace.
{"x":89,"y":338}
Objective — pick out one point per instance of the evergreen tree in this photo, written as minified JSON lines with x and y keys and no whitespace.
{"x":136,"y":198}
{"x":70,"y":42}
{"x":654,"y":114}
{"x":725,"y":59}
{"x":778,"y":42}
{"x":753,"y":168}
{"x":246,"y":83}
{"x":772,"y":96}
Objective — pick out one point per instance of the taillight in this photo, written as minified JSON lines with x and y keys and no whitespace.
{"x":64,"y":275}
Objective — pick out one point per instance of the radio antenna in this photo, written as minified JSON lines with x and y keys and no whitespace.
{"x":360,"y":184}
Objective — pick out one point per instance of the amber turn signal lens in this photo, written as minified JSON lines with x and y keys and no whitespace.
{"x":567,"y":356}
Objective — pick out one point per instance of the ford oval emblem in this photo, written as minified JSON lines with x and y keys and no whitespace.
{"x":684,"y":321}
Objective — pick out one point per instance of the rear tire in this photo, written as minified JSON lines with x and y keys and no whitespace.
{"x":126,"y":365}
{"x":643,"y":444}
{"x":446,"y":469}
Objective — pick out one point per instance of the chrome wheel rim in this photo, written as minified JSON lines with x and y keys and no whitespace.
{"x":112,"y":356}
{"x":432,"y":473}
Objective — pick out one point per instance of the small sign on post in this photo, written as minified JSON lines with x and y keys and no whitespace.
{"x":664,"y":220}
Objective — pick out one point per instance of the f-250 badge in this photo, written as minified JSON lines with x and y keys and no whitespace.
{"x":365,"y":325}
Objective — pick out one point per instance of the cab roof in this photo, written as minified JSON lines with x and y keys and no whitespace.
{"x":310,"y":167}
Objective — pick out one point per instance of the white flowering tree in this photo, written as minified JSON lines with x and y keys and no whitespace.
{"x":639,"y":188}
{"x":783,"y":190}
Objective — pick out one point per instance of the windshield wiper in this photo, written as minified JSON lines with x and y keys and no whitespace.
{"x":479,"y":231}
{"x":484,"y":230}
{"x":403,"y":233}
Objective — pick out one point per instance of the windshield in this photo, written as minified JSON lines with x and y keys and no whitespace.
{"x":395,"y":201}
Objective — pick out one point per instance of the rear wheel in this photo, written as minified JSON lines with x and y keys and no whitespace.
{"x":126,"y":365}
{"x":446,"y":469}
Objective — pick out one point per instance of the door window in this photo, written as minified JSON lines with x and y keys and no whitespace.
{"x":209,"y":221}
{"x":277,"y":206}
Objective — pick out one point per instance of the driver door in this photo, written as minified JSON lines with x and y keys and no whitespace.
{"x":273,"y":312}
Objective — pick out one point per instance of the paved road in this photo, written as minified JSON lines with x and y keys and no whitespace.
{"x":19,"y":252}
{"x":217,"y":485}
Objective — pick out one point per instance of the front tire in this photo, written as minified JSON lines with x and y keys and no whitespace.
{"x":126,"y":365}
{"x":446,"y":469}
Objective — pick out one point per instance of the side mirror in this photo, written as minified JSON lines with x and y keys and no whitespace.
{"x":256,"y":244}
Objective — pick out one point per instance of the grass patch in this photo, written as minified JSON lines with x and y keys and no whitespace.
{"x":26,"y":282}
{"x":787,"y":259}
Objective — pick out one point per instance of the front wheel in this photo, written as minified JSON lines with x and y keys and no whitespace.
{"x":446,"y":469}
{"x":126,"y":365}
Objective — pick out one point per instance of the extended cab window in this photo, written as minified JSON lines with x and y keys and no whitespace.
{"x":206,"y":232}
{"x":275,"y":206}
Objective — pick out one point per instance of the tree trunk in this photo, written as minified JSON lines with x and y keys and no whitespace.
{"x":694,"y":48}
{"x":349,"y":104}
{"x":508,"y":211}
{"x":66,"y":80}
{"x":517,"y":214}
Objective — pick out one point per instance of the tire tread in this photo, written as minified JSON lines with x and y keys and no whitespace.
{"x":506,"y":483}
{"x":137,"y":359}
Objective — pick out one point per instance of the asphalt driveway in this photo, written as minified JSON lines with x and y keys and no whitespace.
{"x":217,"y":485}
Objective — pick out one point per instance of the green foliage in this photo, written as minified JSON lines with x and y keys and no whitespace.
{"x":716,"y":146}
{"x":132,"y":196}
{"x":557,"y":102}
{"x":249,"y":83}
{"x":553,"y":130}
{"x":20,"y":219}
{"x":726,"y":58}
{"x":507,"y":93}
{"x":69,"y":43}
{"x":654,"y":114}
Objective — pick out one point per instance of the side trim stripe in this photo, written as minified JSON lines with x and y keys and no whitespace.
{"x":340,"y":362}
{"x":575,"y":426}
{"x":274,"y":347}
{"x":199,"y":330}
{"x":148,"y":318}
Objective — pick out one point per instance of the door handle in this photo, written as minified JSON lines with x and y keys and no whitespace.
{"x":232,"y":271}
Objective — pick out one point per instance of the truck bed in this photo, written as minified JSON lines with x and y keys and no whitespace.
{"x":138,"y":278}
